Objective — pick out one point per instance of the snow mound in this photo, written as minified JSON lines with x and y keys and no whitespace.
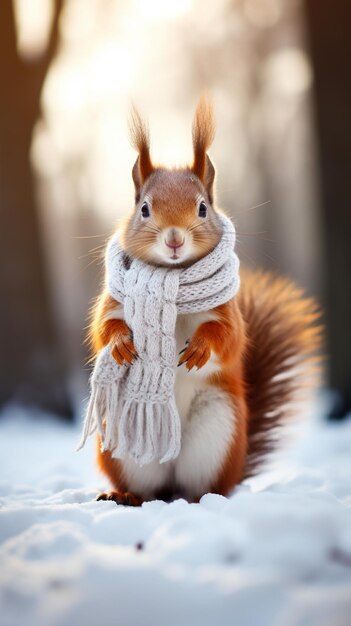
{"x":277,"y":553}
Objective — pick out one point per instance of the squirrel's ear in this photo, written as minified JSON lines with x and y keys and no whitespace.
{"x":139,"y":134}
{"x":203,"y":135}
{"x":208,"y":178}
{"x":137,"y":179}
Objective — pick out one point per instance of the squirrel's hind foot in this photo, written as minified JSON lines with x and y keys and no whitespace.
{"x":126,"y":498}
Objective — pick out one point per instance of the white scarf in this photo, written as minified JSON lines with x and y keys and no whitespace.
{"x":133,"y":406}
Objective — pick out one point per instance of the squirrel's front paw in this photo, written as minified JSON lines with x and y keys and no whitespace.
{"x":123,"y":349}
{"x":196,"y":353}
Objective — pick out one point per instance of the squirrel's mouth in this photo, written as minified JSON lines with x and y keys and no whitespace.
{"x":176,"y":244}
{"x":175,"y":258}
{"x":176,"y":253}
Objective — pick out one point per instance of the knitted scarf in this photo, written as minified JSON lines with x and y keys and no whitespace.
{"x":133,"y":406}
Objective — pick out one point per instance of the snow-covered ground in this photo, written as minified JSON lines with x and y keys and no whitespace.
{"x":277,"y":553}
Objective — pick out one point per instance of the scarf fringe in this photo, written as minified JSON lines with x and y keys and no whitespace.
{"x":143,"y":431}
{"x":96,"y":408}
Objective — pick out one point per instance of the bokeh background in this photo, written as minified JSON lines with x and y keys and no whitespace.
{"x":278,"y":73}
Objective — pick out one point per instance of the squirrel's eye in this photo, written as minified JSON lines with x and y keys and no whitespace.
{"x":202,"y":209}
{"x":145,"y":211}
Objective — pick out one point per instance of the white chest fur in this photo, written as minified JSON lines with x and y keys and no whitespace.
{"x":189,"y":383}
{"x":208,"y":426}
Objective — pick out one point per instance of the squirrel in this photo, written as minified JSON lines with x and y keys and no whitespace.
{"x":239,"y":363}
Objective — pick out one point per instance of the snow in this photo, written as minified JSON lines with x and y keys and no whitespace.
{"x":277,"y":552}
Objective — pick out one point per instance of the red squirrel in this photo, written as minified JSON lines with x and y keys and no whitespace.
{"x":238,"y":363}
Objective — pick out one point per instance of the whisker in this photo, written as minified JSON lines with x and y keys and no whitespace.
{"x":257,"y":206}
{"x":147,"y":229}
{"x":92,"y":262}
{"x":136,"y":249}
{"x":257,"y":234}
{"x":90,"y":236}
{"x":95,"y":253}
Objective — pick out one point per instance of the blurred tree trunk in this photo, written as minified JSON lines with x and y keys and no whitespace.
{"x":330,"y":42}
{"x":31,"y":370}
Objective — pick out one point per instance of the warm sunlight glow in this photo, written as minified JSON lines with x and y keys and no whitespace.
{"x":288,"y":72}
{"x":158,"y":10}
{"x":33,"y":21}
{"x":111,"y":70}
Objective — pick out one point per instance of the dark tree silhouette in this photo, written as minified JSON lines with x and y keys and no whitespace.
{"x":32,"y":370}
{"x":330,"y":44}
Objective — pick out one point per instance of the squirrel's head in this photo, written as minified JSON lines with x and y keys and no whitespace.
{"x":174,"y":222}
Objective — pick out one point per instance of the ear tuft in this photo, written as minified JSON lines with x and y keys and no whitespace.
{"x":139,"y":135}
{"x":203,"y":135}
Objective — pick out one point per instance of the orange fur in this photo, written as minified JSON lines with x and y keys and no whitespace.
{"x":257,"y":338}
{"x":203,"y":135}
{"x":139,"y":133}
{"x":281,"y":359}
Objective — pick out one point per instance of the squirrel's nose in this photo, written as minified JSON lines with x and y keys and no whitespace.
{"x":174,"y":238}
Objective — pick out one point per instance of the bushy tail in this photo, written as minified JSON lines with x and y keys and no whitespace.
{"x":284,"y":337}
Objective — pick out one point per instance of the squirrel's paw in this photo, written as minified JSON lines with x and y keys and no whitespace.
{"x":196,"y":353}
{"x":126,"y":498}
{"x":123,"y":350}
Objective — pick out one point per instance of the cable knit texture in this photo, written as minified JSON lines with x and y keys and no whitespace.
{"x":133,"y":406}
